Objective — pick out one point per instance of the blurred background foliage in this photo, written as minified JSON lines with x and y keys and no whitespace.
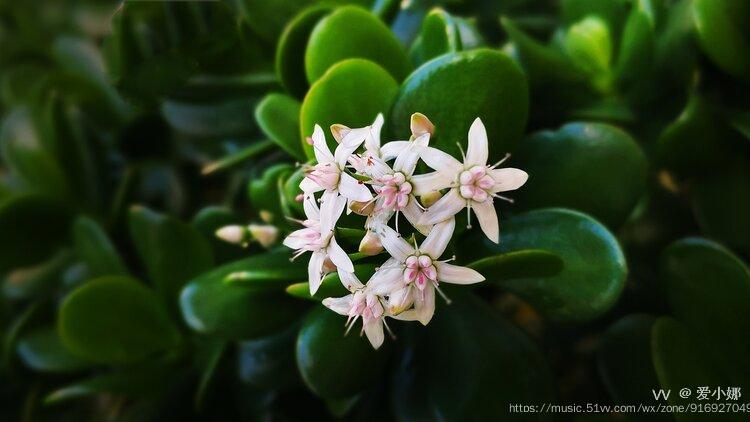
{"x":132,"y":131}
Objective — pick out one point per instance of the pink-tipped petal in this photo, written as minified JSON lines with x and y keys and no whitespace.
{"x":309,"y":186}
{"x":340,"y":305}
{"x":424,"y":304}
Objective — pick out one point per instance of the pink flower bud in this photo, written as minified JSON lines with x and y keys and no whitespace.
{"x":232,"y":234}
{"x":370,"y":244}
{"x":266,"y":235}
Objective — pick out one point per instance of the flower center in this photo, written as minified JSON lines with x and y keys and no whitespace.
{"x":325,"y":174}
{"x":475,"y":184}
{"x":420,"y":270}
{"x":367,"y":306}
{"x":395,"y":190}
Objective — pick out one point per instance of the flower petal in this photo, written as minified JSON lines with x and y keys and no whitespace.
{"x":424,"y":304}
{"x":349,"y":280}
{"x":340,"y":305}
{"x":430,"y":182}
{"x":372,"y":143}
{"x":477,"y":152}
{"x":406,"y":162}
{"x":311,"y":208}
{"x":386,"y":280}
{"x":339,"y":257}
{"x":309,"y":187}
{"x":349,"y":144}
{"x":436,"y":242}
{"x":413,"y":213}
{"x":374,"y":333}
{"x":485,"y":212}
{"x":353,"y":189}
{"x":445,"y":208}
{"x":508,"y":178}
{"x":320,"y":148}
{"x":442,"y":162}
{"x":330,"y":210}
{"x":315,"y":270}
{"x":448,"y":273}
{"x":394,"y":243}
{"x":392,"y":149}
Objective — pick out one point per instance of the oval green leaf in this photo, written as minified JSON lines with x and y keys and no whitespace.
{"x":367,"y":88}
{"x":724,"y":34}
{"x":352,"y":32}
{"x":454,"y":89}
{"x":519,"y":264}
{"x":603,"y":173}
{"x":268,"y":362}
{"x":278,"y":117}
{"x":335,"y":366}
{"x":116,"y":320}
{"x":42,"y":350}
{"x":93,"y":247}
{"x":439,"y":35}
{"x":594,"y":268}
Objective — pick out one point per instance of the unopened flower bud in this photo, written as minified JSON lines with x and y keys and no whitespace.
{"x":339,"y":131}
{"x":309,"y":140}
{"x":370,"y":244}
{"x":266,"y":235}
{"x":232,"y":234}
{"x":430,"y":198}
{"x":420,"y":125}
{"x":362,"y":208}
{"x":266,"y":216}
{"x":299,"y":198}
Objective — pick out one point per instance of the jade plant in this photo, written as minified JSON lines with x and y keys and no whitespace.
{"x":374,"y":209}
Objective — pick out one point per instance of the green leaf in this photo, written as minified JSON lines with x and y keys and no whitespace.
{"x":278,"y":117}
{"x":38,"y":280}
{"x":268,"y":18}
{"x":454,"y":89}
{"x":439,"y":35}
{"x":519,"y":264}
{"x":368,"y":90}
{"x":290,"y":57}
{"x":116,"y":320}
{"x":708,"y":288}
{"x":638,"y":44}
{"x":594,"y":268}
{"x":244,"y":309}
{"x":28,"y":156}
{"x":624,"y":360}
{"x":680,"y":362}
{"x":32,"y":228}
{"x":604,"y":171}
{"x":352,"y":32}
{"x":219,"y":119}
{"x":333,"y":365}
{"x":42,"y":350}
{"x":268,"y":362}
{"x":237,"y":158}
{"x":469,"y":360}
{"x":589,"y":45}
{"x":172,"y":251}
{"x":721,"y":203}
{"x":93,"y":247}
{"x":266,"y":192}
{"x":146,"y":381}
{"x":724,"y":35}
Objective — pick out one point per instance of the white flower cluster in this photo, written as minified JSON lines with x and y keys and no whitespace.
{"x":404,"y":286}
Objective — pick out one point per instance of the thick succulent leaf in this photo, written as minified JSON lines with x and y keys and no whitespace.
{"x":290,"y":57}
{"x":242,"y":156}
{"x":32,"y":228}
{"x":95,"y":249}
{"x":453,"y":371}
{"x":251,"y":307}
{"x":439,"y":35}
{"x":721,"y":203}
{"x":92,"y":324}
{"x":352,"y":32}
{"x":266,"y":193}
{"x":368,"y":90}
{"x":278,"y":117}
{"x":519,"y":264}
{"x":603,"y":173}
{"x":624,"y":361}
{"x":268,"y":362}
{"x":708,"y":289}
{"x":593,"y":272}
{"x":37,"y":280}
{"x":172,"y":251}
{"x":454,"y":89}
{"x":335,"y":366}
{"x":211,"y":120}
{"x":42,"y":350}
{"x":723,"y":33}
